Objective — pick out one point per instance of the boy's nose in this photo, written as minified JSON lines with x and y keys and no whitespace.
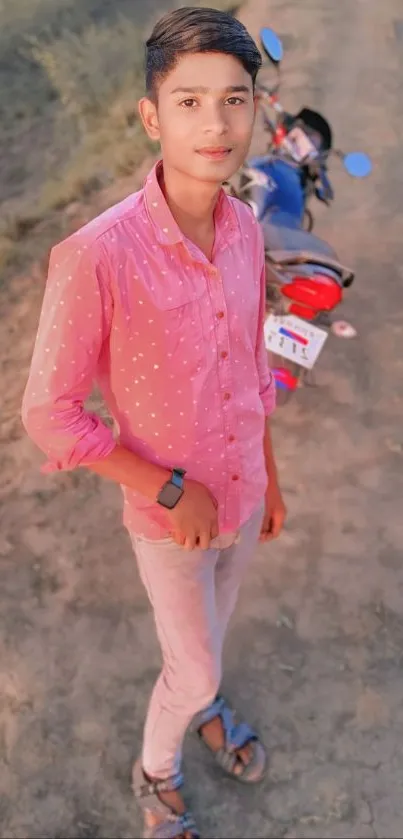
{"x":216,"y":124}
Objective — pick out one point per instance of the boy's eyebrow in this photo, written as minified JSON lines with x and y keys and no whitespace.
{"x":239,"y":88}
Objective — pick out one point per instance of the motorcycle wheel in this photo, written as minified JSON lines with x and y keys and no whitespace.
{"x":283,"y":396}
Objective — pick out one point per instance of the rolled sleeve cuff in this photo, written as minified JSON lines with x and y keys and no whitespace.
{"x":95,"y":445}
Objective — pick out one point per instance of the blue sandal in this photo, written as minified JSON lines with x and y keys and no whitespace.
{"x":147,"y":793}
{"x":237,"y":736}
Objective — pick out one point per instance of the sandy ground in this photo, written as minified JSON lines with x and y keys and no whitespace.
{"x":315,"y":655}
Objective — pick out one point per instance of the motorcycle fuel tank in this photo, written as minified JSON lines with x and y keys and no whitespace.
{"x":276,"y":188}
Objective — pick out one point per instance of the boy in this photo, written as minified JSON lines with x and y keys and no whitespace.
{"x":162,"y":300}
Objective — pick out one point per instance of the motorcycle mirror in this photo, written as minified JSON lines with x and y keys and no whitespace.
{"x":358,"y":164}
{"x":271,"y":44}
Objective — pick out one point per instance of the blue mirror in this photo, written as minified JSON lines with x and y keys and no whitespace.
{"x":358,"y":164}
{"x":271,"y":44}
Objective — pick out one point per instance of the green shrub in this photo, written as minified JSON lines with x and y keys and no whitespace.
{"x":89,"y":70}
{"x":77,"y":67}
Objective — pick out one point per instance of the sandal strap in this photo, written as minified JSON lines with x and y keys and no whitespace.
{"x":227,"y":760}
{"x":237,"y":735}
{"x":154,"y":787}
{"x":176,"y":826}
{"x":147,"y":793}
{"x":213,"y":710}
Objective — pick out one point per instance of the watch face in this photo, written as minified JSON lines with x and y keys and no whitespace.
{"x":170,"y":495}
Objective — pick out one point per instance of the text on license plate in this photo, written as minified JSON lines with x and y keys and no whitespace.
{"x":294,"y":339}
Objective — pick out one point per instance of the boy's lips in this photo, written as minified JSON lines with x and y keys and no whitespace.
{"x":215,"y":152}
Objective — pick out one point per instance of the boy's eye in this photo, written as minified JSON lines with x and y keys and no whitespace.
{"x":192,"y":103}
{"x":235,"y":100}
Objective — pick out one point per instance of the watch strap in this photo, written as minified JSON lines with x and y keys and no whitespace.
{"x":177,"y":477}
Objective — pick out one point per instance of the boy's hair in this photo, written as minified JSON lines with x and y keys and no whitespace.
{"x":193,"y":30}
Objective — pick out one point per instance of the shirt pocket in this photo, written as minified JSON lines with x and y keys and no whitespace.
{"x":179,"y":322}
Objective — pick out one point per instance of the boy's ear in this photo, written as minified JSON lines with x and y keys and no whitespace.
{"x":149,"y":117}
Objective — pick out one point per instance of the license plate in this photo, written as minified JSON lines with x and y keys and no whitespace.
{"x":294,"y":339}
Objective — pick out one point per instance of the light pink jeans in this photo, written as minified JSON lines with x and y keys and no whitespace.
{"x":193,"y":595}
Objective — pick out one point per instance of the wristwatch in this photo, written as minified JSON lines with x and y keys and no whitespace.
{"x":172,"y":491}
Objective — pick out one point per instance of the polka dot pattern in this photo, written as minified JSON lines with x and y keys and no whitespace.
{"x":175,"y":343}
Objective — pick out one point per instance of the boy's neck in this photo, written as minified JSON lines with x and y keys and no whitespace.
{"x":192,"y":204}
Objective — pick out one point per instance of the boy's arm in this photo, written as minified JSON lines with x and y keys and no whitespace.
{"x":275,"y":511}
{"x":267,"y":386}
{"x":75,"y":320}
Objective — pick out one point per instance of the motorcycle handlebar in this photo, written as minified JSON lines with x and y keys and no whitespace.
{"x":326,"y":182}
{"x":270,"y":95}
{"x":269,"y":91}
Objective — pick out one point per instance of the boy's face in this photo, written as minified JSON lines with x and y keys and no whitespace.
{"x":204,"y":116}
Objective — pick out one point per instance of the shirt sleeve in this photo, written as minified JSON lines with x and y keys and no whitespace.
{"x":74,"y":323}
{"x":267,"y":385}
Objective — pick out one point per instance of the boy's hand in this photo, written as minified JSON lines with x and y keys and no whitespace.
{"x":275,"y":513}
{"x":194,"y":520}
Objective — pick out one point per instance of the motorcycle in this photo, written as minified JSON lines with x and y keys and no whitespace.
{"x":305,"y":280}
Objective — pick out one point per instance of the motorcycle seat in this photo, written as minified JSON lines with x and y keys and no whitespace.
{"x":292,"y":246}
{"x":279,"y":237}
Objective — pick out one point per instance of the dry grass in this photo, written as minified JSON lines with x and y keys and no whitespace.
{"x":68,"y":105}
{"x":98,"y":78}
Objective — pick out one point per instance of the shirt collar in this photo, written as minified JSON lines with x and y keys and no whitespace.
{"x":166,"y":229}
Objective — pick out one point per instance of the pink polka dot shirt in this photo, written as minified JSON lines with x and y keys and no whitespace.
{"x":175,"y":343}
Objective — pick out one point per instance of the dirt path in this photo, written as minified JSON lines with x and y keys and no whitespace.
{"x":319,"y":630}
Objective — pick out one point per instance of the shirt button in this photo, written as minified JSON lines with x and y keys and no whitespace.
{"x":220,"y":315}
{"x":235,"y":477}
{"x":227,"y":396}
{"x":231,"y":438}
{"x":224,"y":354}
